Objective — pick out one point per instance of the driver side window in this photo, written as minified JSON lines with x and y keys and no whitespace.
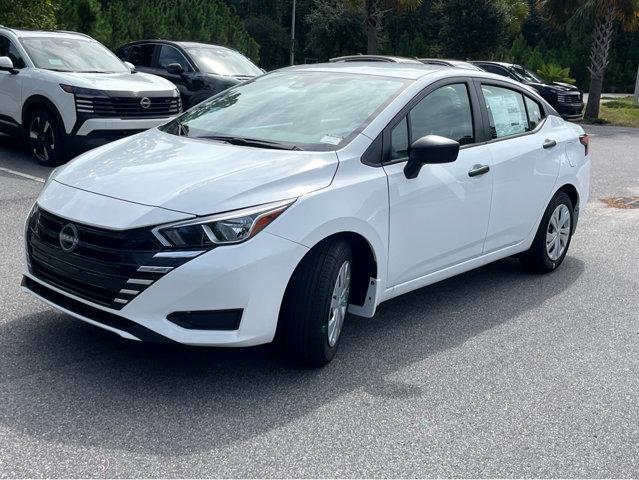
{"x":445,"y":112}
{"x":169,"y":55}
{"x":7,"y":49}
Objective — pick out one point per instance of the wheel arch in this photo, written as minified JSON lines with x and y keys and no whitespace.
{"x":572,"y":192}
{"x":36,"y":102}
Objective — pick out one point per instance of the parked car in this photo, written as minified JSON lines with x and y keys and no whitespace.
{"x":374,"y":58}
{"x":199,"y":70}
{"x":450,"y":63}
{"x":65,"y":92}
{"x":275,"y":208}
{"x":565,"y":98}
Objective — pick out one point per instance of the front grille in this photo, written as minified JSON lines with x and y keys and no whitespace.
{"x":107,"y":267}
{"x":569,"y":97}
{"x":128,"y":107}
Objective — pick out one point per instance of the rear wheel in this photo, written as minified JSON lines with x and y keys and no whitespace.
{"x":552,"y":240}
{"x":315,"y":304}
{"x":45,"y":138}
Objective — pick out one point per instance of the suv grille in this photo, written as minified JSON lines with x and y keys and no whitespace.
{"x":128,"y":107}
{"x":569,"y":97}
{"x":103,"y":267}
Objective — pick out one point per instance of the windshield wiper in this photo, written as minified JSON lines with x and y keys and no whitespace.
{"x":250,"y":142}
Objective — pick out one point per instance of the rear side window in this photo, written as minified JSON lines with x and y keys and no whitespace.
{"x":445,"y":112}
{"x":141,"y":55}
{"x":494,"y":69}
{"x":8,"y":49}
{"x":506,"y":111}
{"x":535,"y":114}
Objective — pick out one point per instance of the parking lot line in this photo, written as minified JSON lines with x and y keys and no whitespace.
{"x":24,"y":175}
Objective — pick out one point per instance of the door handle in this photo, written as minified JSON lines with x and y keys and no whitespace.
{"x":478,"y":170}
{"x":548,"y":143}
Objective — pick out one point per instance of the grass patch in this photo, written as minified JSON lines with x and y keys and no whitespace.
{"x":622,"y":111}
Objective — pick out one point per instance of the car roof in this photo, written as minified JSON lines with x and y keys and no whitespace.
{"x":374,"y":58}
{"x":502,"y":64}
{"x":177,"y":43}
{"x":46,"y":33}
{"x":452,"y":62}
{"x":411,"y":71}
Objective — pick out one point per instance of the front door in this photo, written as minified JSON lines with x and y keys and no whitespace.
{"x":438,"y":219}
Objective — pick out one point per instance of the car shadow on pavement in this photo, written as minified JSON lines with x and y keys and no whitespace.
{"x":69,"y":383}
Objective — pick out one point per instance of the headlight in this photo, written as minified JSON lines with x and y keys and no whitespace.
{"x":224,"y":228}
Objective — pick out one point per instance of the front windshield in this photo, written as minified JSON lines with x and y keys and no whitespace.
{"x":65,"y":54}
{"x":223,"y":61}
{"x":528,"y":75}
{"x":308,"y":110}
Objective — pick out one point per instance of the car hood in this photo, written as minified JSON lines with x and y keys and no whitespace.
{"x":194,"y":176}
{"x":556,"y":86}
{"x":118,"y":82}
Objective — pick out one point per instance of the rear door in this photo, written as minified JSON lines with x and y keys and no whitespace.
{"x":526,"y":153}
{"x":439,"y":218}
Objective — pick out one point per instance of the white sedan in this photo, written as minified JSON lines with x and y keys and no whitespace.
{"x":276,"y":207}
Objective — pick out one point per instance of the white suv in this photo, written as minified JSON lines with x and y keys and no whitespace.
{"x":66,"y":92}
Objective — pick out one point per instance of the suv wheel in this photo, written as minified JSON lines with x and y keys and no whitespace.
{"x":315,"y":304}
{"x":45,"y":139}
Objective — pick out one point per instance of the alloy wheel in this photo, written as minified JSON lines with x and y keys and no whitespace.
{"x":339,"y":303}
{"x":42,"y":139}
{"x":558,"y":232}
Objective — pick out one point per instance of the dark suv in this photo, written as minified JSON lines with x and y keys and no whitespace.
{"x":567,"y":99}
{"x":199,"y":70}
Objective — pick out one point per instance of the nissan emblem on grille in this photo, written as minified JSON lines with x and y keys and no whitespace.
{"x":145,"y":102}
{"x":68,"y":238}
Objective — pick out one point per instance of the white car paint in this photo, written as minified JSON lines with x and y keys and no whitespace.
{"x":420,"y":230}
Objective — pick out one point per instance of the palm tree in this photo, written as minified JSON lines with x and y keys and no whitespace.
{"x":604,"y":14}
{"x":374,"y":11}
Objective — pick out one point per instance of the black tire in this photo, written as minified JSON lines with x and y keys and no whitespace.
{"x":304,"y":317}
{"x":537,"y":259}
{"x":44,"y":138}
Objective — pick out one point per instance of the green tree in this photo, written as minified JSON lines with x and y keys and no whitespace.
{"x":373,"y":15}
{"x":602,"y":16}
{"x":34,"y":14}
{"x":474,"y":28}
{"x":334,"y":30}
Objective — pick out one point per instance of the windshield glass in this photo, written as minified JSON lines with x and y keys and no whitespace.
{"x":528,"y":75}
{"x":66,"y":54}
{"x":309,"y":110}
{"x":223,"y":61}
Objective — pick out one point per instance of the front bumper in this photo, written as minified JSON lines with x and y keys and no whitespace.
{"x":95,"y":132}
{"x":569,"y":111}
{"x":251,"y":277}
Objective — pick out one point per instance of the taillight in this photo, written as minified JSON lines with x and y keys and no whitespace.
{"x":585,"y":141}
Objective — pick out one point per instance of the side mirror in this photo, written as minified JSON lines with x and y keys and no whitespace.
{"x":7,"y":65}
{"x":429,"y":150}
{"x":174,"y":69}
{"x":130,"y":66}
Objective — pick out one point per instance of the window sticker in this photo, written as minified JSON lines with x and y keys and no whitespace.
{"x":55,"y":61}
{"x":331,"y":139}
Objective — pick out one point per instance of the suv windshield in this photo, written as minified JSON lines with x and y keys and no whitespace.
{"x":307,"y":110}
{"x":223,"y":61}
{"x":65,"y":54}
{"x":528,"y":75}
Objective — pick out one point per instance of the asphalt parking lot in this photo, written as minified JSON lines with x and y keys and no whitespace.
{"x":493,"y":373}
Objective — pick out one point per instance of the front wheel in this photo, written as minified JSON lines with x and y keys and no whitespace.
{"x":45,"y":139}
{"x":315,"y":304}
{"x":552,"y":240}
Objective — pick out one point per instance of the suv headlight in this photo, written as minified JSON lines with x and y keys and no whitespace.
{"x":221,"y":229}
